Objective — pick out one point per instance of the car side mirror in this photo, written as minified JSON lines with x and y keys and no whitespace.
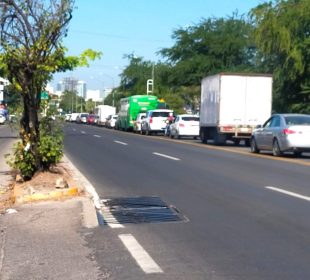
{"x":258,"y":126}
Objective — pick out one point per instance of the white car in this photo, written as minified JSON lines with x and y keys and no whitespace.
{"x":185,"y":125}
{"x":73,"y":117}
{"x":137,"y":123}
{"x":110,"y":122}
{"x":155,"y":121}
{"x":68,"y":117}
{"x":2,"y":119}
{"x":82,"y":118}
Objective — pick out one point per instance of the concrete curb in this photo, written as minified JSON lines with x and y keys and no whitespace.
{"x":53,"y":195}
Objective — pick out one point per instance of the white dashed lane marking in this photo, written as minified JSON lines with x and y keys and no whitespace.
{"x":98,"y":136}
{"x":144,"y":260}
{"x":165,"y":156}
{"x":119,"y":142}
{"x":288,"y":193}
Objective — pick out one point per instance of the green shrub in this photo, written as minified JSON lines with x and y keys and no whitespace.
{"x":22,"y":160}
{"x":51,"y":142}
{"x":50,"y":150}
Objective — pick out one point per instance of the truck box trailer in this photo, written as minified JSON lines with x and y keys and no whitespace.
{"x":232,"y":105}
{"x":102,"y":112}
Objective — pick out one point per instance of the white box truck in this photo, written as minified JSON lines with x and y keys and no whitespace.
{"x":102,"y":112}
{"x":232,"y":105}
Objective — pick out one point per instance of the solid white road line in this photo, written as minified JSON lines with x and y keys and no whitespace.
{"x":119,"y":142}
{"x":77,"y":175}
{"x":165,"y":156}
{"x":144,"y":260}
{"x":98,"y":136}
{"x":288,"y":193}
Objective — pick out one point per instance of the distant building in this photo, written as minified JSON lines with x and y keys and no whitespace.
{"x":72,"y":84}
{"x":106,"y":92}
{"x":94,"y":95}
{"x":81,"y":89}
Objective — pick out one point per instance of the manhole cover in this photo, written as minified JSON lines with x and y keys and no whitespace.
{"x":138,"y":210}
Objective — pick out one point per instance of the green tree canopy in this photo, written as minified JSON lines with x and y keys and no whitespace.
{"x":212,"y":46}
{"x":282,"y":31}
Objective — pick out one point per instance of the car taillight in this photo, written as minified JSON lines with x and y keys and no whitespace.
{"x":151,"y":120}
{"x":181,"y":125}
{"x":287,"y":131}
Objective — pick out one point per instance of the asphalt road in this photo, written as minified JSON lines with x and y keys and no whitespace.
{"x":246,"y":216}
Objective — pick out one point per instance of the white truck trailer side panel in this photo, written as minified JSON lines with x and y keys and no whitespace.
{"x":210,"y":101}
{"x":237,"y":100}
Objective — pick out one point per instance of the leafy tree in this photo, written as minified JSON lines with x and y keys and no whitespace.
{"x":212,"y":46}
{"x":68,"y":101}
{"x":136,"y":74}
{"x":30,"y":52}
{"x":282,"y":31}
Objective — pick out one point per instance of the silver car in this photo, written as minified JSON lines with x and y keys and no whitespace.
{"x":283,"y":133}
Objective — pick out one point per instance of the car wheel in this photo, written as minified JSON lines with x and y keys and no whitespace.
{"x":254,"y":146}
{"x":276,"y":148}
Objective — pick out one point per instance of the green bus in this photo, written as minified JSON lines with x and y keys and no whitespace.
{"x":131,"y":106}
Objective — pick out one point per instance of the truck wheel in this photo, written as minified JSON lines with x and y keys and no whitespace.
{"x":247,"y":142}
{"x":276,"y":151}
{"x":219,"y":139}
{"x":297,"y":154}
{"x":203,"y":136}
{"x":254,"y":146}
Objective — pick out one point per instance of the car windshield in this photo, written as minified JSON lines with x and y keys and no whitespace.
{"x":190,"y":119}
{"x":160,"y":114}
{"x":297,"y":120}
{"x":84,"y":115}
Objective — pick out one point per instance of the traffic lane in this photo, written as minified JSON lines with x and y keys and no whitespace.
{"x":181,"y":192}
{"x":256,"y":172}
{"x":242,"y":148}
{"x":235,"y":226}
{"x":229,"y":147}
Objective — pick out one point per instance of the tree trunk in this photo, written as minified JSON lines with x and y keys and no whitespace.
{"x":29,"y":131}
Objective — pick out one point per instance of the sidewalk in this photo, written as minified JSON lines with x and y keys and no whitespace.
{"x":46,"y":240}
{"x":5,"y":178}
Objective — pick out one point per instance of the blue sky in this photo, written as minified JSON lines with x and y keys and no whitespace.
{"x":142,"y":27}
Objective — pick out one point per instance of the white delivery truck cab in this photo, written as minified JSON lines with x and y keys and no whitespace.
{"x":232,"y":105}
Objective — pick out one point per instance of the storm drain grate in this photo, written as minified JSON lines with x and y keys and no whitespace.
{"x":136,"y":210}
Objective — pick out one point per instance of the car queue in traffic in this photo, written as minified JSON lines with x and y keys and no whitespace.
{"x":280,"y":134}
